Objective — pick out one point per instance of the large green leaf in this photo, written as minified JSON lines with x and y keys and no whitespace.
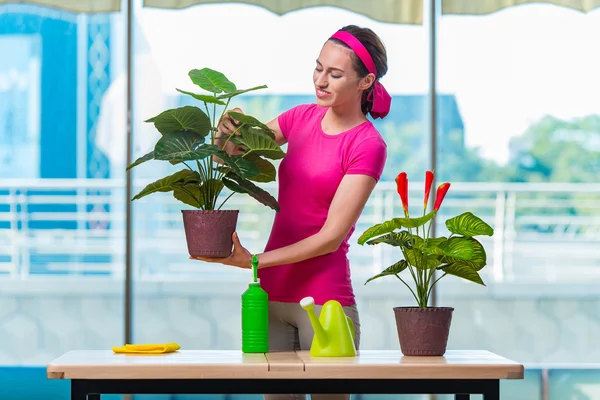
{"x":239,"y":185}
{"x":456,"y":247}
{"x":418,"y":259}
{"x":394,"y":269}
{"x":247,"y":169}
{"x":212,"y":81}
{"x":239,"y":165}
{"x":478,"y":259}
{"x":203,"y":97}
{"x":414,"y":222}
{"x":186,"y":118}
{"x":468,"y":224}
{"x":194,"y":177}
{"x":394,"y":223}
{"x":421,"y":243}
{"x":250,"y":121}
{"x":394,"y":239}
{"x":165,"y":184}
{"x":189,"y":194}
{"x":183,"y":146}
{"x":141,"y":160}
{"x":463,"y":271}
{"x":258,"y":142}
{"x":238,"y":92}
{"x":268,"y":173}
{"x":199,"y":196}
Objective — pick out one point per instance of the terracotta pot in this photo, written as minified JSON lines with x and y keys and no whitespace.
{"x":208,"y":233}
{"x":423,"y":331}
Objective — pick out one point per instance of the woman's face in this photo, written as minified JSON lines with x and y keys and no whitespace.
{"x":336,"y":81}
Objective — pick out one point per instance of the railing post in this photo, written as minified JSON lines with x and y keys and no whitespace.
{"x":378,"y":215}
{"x":14,"y":233}
{"x":510,"y":233}
{"x":388,"y":207}
{"x":24,"y":218}
{"x":498,"y":267}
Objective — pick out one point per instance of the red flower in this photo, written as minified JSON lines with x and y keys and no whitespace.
{"x":441,"y":192}
{"x":428,"y":182}
{"x":402,"y":185}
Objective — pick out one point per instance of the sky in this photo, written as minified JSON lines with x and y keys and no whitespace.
{"x":507,"y":69}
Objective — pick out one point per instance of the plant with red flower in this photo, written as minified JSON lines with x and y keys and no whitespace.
{"x":459,"y":254}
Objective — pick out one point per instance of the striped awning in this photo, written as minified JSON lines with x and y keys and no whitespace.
{"x":408,"y":12}
{"x":390,"y":11}
{"x":482,"y":7}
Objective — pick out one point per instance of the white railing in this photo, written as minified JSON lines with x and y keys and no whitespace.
{"x":543,"y":232}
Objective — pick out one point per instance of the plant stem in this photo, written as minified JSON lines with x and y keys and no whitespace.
{"x":205,"y":188}
{"x":222,"y":173}
{"x":207,"y":183}
{"x":430,"y":223}
{"x":230,"y":136}
{"x":433,"y":284}
{"x":212,"y":130}
{"x":224,"y":201}
{"x":210,"y":186}
{"x":419,"y":278}
{"x":224,"y":111}
{"x":214,"y":112}
{"x":422,"y":272}
{"x":209,"y":163}
{"x":410,"y":267}
{"x":409,"y":288}
{"x":187,"y":166}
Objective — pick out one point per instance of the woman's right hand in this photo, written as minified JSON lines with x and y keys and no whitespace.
{"x":228,"y":125}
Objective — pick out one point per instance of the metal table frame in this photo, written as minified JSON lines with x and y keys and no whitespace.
{"x":92,"y":389}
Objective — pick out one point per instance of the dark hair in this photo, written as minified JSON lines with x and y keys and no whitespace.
{"x":376,"y":49}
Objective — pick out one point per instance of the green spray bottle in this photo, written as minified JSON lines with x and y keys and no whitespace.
{"x":255,"y":315}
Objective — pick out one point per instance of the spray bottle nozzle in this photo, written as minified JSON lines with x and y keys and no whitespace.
{"x":255,"y":267}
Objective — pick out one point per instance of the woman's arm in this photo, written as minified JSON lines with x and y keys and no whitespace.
{"x":347,"y":205}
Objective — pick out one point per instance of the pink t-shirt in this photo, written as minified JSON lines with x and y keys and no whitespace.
{"x":308,"y":177}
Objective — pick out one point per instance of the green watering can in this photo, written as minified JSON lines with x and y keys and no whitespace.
{"x":334,"y":330}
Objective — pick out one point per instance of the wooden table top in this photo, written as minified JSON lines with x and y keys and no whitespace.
{"x":233,"y":364}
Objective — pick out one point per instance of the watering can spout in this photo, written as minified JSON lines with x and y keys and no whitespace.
{"x":334,"y":331}
{"x":308,"y":303}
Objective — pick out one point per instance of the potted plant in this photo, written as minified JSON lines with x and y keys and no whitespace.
{"x":187,"y":137}
{"x":423,"y":330}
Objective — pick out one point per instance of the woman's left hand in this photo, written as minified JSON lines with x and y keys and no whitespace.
{"x":239,"y":257}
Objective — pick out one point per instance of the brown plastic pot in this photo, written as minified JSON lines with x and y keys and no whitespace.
{"x":423,"y":331}
{"x":209,"y":232}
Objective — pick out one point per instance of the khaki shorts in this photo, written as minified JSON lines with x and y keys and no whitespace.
{"x":290,"y":330}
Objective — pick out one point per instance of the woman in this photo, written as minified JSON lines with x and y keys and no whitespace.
{"x":335,"y":157}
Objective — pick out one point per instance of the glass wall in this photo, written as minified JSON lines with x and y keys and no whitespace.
{"x":527,"y":160}
{"x":198,"y":304}
{"x":518,"y":136}
{"x":61,"y":258}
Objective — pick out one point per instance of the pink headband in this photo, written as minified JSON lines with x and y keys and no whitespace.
{"x":379,"y":96}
